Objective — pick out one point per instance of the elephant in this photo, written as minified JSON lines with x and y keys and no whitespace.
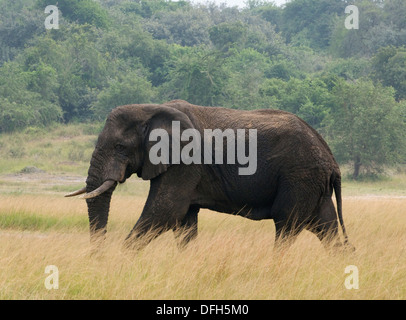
{"x":293,"y":183}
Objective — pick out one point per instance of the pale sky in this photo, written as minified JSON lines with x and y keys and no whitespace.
{"x":239,"y":3}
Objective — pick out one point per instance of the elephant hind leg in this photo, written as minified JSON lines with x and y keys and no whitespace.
{"x":325,"y":224}
{"x":290,"y":214}
{"x":286,"y":233}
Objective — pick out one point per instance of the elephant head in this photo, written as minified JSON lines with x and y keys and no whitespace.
{"x":122,"y":149}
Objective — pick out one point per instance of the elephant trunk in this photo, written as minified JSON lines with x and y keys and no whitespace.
{"x":98,"y":212}
{"x":98,"y":206}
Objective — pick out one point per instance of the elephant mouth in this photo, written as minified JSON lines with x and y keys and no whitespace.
{"x":95,"y":193}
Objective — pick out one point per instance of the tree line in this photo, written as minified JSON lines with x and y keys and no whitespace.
{"x":350,"y":85}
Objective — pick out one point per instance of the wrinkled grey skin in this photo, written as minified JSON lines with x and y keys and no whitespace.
{"x":293,"y":185}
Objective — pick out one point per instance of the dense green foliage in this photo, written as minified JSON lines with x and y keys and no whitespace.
{"x":348,"y":84}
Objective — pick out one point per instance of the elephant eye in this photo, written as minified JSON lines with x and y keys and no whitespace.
{"x":120,"y":148}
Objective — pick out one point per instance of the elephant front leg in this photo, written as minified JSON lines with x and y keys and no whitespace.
{"x":166,"y":209}
{"x":168,"y":206}
{"x":144,"y":231}
{"x":186,"y":230}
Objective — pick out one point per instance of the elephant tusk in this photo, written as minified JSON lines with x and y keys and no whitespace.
{"x":76,"y":193}
{"x":103,"y":188}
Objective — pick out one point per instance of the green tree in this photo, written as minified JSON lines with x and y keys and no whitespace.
{"x":376,"y":30}
{"x":147,"y":8}
{"x":365,"y":126}
{"x":196,"y":75}
{"x":138,"y":46}
{"x":133,"y":88}
{"x":186,"y":26}
{"x":81,"y":11}
{"x":389,"y":66}
{"x":395,"y":13}
{"x":349,"y":68}
{"x":80,"y":71}
{"x":20,"y":107}
{"x":311,"y":19}
{"x":20,"y":21}
{"x":308,"y":98}
{"x":271,"y":13}
{"x":246,"y":70}
{"x":228,"y":34}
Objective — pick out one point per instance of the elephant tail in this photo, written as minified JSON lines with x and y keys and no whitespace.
{"x":336,"y":181}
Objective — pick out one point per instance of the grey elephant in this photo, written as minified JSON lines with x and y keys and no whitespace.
{"x":292,"y":183}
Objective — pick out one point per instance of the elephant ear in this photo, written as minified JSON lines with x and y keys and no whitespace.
{"x":162,"y":131}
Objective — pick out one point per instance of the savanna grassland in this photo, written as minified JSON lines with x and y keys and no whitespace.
{"x":232,"y":258}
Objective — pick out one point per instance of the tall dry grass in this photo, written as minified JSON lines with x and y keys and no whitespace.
{"x":232,"y":258}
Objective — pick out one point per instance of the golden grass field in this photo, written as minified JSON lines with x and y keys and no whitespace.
{"x":232,"y":258}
